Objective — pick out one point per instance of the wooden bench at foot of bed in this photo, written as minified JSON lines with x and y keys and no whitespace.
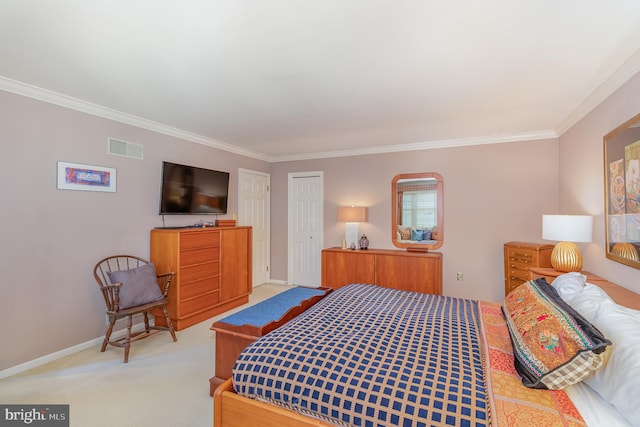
{"x":232,"y":338}
{"x":238,"y":411}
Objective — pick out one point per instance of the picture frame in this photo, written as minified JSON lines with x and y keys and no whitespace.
{"x":76,"y":176}
{"x":622,"y":193}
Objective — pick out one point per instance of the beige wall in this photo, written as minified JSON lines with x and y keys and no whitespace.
{"x":492,"y":194}
{"x":51,"y":239}
{"x":582,"y":177}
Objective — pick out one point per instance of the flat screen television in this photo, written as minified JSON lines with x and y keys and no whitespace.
{"x":192,"y":190}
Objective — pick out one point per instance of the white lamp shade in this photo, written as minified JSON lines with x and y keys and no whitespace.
{"x":567,"y":228}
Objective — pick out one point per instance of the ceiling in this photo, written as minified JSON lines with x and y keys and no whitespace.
{"x":290,"y":79}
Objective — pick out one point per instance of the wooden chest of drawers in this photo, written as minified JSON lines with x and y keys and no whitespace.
{"x":518,"y":257}
{"x":212,"y":269}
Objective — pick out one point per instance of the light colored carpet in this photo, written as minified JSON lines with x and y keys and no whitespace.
{"x":164,"y":383}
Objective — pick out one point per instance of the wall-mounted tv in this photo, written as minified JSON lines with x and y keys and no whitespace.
{"x":191,"y":190}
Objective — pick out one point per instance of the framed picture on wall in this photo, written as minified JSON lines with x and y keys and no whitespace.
{"x":75,"y":176}
{"x":622,"y":193}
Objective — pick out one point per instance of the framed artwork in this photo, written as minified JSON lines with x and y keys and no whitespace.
{"x":75,"y":176}
{"x":622,"y":193}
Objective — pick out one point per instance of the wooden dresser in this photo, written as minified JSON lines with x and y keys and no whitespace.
{"x":409,"y":271}
{"x":212,"y":269}
{"x":518,"y":257}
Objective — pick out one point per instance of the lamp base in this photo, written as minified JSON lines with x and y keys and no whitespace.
{"x":566,"y":257}
{"x":351,"y":233}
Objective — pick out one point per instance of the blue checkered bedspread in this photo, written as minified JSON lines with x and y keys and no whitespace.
{"x":372,"y":356}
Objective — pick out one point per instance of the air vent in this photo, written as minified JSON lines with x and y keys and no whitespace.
{"x":125,"y":149}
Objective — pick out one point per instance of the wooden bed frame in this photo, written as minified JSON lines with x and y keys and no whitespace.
{"x":232,"y":410}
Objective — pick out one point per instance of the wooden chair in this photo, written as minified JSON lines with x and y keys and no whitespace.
{"x":111,"y":294}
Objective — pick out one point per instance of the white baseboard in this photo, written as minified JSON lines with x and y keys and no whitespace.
{"x":66,"y":352}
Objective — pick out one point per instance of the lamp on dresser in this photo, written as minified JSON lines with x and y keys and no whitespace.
{"x":567,"y":230}
{"x":352,"y":215}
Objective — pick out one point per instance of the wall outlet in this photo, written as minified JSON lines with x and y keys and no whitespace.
{"x":460,"y":276}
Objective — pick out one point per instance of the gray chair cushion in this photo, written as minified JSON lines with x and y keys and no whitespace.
{"x":139,"y":285}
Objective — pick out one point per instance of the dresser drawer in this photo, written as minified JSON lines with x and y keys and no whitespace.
{"x":190,"y":290}
{"x":520,"y":276}
{"x":199,"y":256}
{"x":194,"y":305}
{"x":521,"y":256}
{"x":199,"y":272}
{"x":199,"y":239}
{"x":519,"y":265}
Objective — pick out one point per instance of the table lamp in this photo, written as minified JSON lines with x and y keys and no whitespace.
{"x":567,"y":229}
{"x":352,"y":215}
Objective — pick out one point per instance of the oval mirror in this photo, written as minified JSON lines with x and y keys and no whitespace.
{"x":417,"y":211}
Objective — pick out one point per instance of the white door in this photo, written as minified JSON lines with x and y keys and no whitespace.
{"x":305,"y":228}
{"x":253,"y":210}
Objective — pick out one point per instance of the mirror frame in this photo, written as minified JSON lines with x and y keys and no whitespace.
{"x":440,"y":209}
{"x":618,"y":219}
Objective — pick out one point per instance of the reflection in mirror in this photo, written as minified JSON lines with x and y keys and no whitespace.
{"x":622,"y":192}
{"x":417,"y":211}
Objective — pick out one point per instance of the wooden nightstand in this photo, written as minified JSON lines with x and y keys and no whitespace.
{"x":550,"y":274}
{"x":619,"y":294}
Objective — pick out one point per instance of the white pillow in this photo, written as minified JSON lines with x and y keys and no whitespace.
{"x":569,"y":284}
{"x":587,"y":301}
{"x":618,"y":381}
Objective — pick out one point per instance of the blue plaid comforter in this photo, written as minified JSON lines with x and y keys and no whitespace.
{"x":372,"y":356}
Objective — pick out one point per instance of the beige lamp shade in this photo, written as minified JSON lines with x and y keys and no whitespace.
{"x":567,"y":229}
{"x":353,"y":214}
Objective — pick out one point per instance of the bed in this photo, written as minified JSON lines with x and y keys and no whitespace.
{"x":374,"y":356}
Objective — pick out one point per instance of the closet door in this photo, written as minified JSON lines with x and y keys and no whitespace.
{"x":305,"y":228}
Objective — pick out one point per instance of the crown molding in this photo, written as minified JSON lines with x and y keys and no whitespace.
{"x":56,"y":98}
{"x":45,"y":95}
{"x":630,"y":68}
{"x":427,"y":145}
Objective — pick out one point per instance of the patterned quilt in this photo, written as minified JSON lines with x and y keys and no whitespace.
{"x":371,"y":356}
{"x":512,"y":403}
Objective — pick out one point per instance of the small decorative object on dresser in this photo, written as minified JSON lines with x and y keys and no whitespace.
{"x":226,"y":222}
{"x":364,"y":242}
{"x":518,"y":257}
